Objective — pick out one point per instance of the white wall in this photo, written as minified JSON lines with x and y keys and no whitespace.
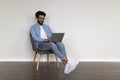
{"x":92,"y":27}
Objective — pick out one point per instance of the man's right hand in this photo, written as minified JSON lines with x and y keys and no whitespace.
{"x":47,"y":40}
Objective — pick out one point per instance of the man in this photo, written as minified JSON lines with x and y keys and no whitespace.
{"x":41,"y":33}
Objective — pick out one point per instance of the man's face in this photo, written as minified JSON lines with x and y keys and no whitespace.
{"x":41,"y":19}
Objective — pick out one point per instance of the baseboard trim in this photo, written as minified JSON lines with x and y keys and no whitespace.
{"x":99,"y":60}
{"x":44,"y":60}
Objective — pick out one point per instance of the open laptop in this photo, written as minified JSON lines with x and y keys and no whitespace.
{"x":56,"y":37}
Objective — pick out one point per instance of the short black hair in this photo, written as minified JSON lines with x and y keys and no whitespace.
{"x":39,"y":13}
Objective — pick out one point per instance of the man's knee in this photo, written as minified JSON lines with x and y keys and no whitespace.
{"x":52,"y":44}
{"x":60,"y":43}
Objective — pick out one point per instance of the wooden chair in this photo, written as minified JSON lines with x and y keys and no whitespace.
{"x":37,"y":54}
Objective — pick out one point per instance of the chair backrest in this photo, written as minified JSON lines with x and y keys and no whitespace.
{"x":33,"y":43}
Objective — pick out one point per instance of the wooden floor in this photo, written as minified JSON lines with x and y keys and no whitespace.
{"x":85,"y":71}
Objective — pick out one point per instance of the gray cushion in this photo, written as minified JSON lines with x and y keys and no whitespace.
{"x":45,"y":51}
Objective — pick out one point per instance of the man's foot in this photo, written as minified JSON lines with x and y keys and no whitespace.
{"x":70,"y":66}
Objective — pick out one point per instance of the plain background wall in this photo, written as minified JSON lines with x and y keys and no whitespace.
{"x":92,"y":28}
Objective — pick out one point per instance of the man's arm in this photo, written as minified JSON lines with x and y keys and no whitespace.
{"x":34,"y":36}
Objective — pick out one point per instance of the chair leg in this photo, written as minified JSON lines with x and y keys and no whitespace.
{"x":38,"y":60}
{"x":57,"y":61}
{"x":48,"y":58}
{"x":34,"y":59}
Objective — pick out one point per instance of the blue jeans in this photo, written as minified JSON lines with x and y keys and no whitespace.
{"x":57,"y":48}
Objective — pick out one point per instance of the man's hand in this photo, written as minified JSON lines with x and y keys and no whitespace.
{"x":47,"y":40}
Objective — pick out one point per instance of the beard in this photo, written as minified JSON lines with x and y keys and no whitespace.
{"x":41,"y":23}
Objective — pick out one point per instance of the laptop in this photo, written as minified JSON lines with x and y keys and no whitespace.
{"x":56,"y":37}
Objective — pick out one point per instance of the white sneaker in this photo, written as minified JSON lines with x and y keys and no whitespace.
{"x":76,"y":61}
{"x":70,"y":66}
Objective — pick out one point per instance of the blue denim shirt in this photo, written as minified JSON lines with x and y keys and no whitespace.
{"x":35,"y":32}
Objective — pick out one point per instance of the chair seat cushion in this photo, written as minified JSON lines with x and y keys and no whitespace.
{"x":43,"y":51}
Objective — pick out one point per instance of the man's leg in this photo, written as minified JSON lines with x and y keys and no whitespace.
{"x":61,"y":47}
{"x":56,"y":50}
{"x":69,"y":66}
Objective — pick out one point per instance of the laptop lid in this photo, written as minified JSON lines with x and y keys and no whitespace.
{"x":57,"y":37}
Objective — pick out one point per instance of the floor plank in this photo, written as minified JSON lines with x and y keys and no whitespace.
{"x":85,"y":71}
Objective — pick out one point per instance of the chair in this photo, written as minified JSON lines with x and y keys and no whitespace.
{"x":37,"y":54}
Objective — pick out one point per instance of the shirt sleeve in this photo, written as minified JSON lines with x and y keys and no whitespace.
{"x":34,"y":35}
